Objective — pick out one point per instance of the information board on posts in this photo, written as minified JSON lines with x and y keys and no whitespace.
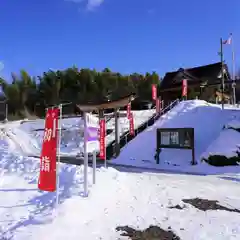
{"x":175,"y":138}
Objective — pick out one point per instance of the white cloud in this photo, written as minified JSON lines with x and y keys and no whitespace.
{"x":75,"y":1}
{"x":151,"y":11}
{"x":91,"y":4}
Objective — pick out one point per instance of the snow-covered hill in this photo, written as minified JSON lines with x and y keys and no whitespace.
{"x":207,"y":120}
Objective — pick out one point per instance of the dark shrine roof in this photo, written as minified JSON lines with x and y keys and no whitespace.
{"x":209,"y":73}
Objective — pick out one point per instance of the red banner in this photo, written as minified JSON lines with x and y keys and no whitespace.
{"x":102,"y":154}
{"x":128,"y":110}
{"x":47,"y":177}
{"x":184,"y":88}
{"x":131,"y":125}
{"x":154,"y":92}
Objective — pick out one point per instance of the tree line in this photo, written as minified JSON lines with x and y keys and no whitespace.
{"x":28,"y":95}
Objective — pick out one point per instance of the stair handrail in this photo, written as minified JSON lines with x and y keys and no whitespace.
{"x":169,"y":106}
{"x":154,"y":117}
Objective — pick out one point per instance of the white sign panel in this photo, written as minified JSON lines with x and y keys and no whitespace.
{"x":91,"y":132}
{"x":165,"y":138}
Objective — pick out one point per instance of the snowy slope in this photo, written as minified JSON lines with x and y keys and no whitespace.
{"x":207,"y":120}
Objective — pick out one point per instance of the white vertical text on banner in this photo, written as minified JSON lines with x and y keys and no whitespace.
{"x":184,"y":88}
{"x":102,"y":138}
{"x":131,"y":125}
{"x":154,"y":92}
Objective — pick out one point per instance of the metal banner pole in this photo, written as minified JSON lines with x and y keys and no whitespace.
{"x":58,"y":152}
{"x":105,"y":143}
{"x":85,"y":156}
{"x":94,"y":166}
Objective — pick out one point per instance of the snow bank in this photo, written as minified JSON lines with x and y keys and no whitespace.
{"x":234,"y":124}
{"x":226,"y":144}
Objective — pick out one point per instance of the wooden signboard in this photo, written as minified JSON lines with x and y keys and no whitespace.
{"x":175,"y":138}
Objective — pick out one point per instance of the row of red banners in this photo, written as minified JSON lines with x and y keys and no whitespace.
{"x":184,"y":90}
{"x":102,"y":135}
{"x":159,"y":103}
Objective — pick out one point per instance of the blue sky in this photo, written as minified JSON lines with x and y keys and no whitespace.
{"x":124,"y":35}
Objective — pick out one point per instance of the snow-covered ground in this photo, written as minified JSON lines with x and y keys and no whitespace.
{"x":117,"y":199}
{"x":121,"y":197}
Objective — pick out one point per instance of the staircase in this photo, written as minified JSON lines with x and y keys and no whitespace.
{"x":126,"y":137}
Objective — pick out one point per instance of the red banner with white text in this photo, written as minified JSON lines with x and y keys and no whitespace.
{"x":102,"y":154}
{"x":154,"y":92}
{"x":184,"y":88}
{"x":128,"y":110}
{"x":131,"y":124}
{"x":47,"y":177}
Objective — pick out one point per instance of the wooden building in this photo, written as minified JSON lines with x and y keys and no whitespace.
{"x":204,"y":82}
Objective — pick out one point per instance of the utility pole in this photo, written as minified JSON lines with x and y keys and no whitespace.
{"x":222,"y":71}
{"x":233,"y":71}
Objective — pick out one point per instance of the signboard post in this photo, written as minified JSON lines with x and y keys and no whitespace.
{"x":94,"y":166}
{"x":175,"y":138}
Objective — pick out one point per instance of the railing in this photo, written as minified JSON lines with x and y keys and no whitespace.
{"x":126,"y":137}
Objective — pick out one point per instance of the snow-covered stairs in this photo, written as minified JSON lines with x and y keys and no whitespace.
{"x":126,"y":137}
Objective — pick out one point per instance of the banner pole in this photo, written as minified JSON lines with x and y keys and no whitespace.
{"x":58,"y":152}
{"x":85,"y":156}
{"x":94,"y":166}
{"x":105,"y":143}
